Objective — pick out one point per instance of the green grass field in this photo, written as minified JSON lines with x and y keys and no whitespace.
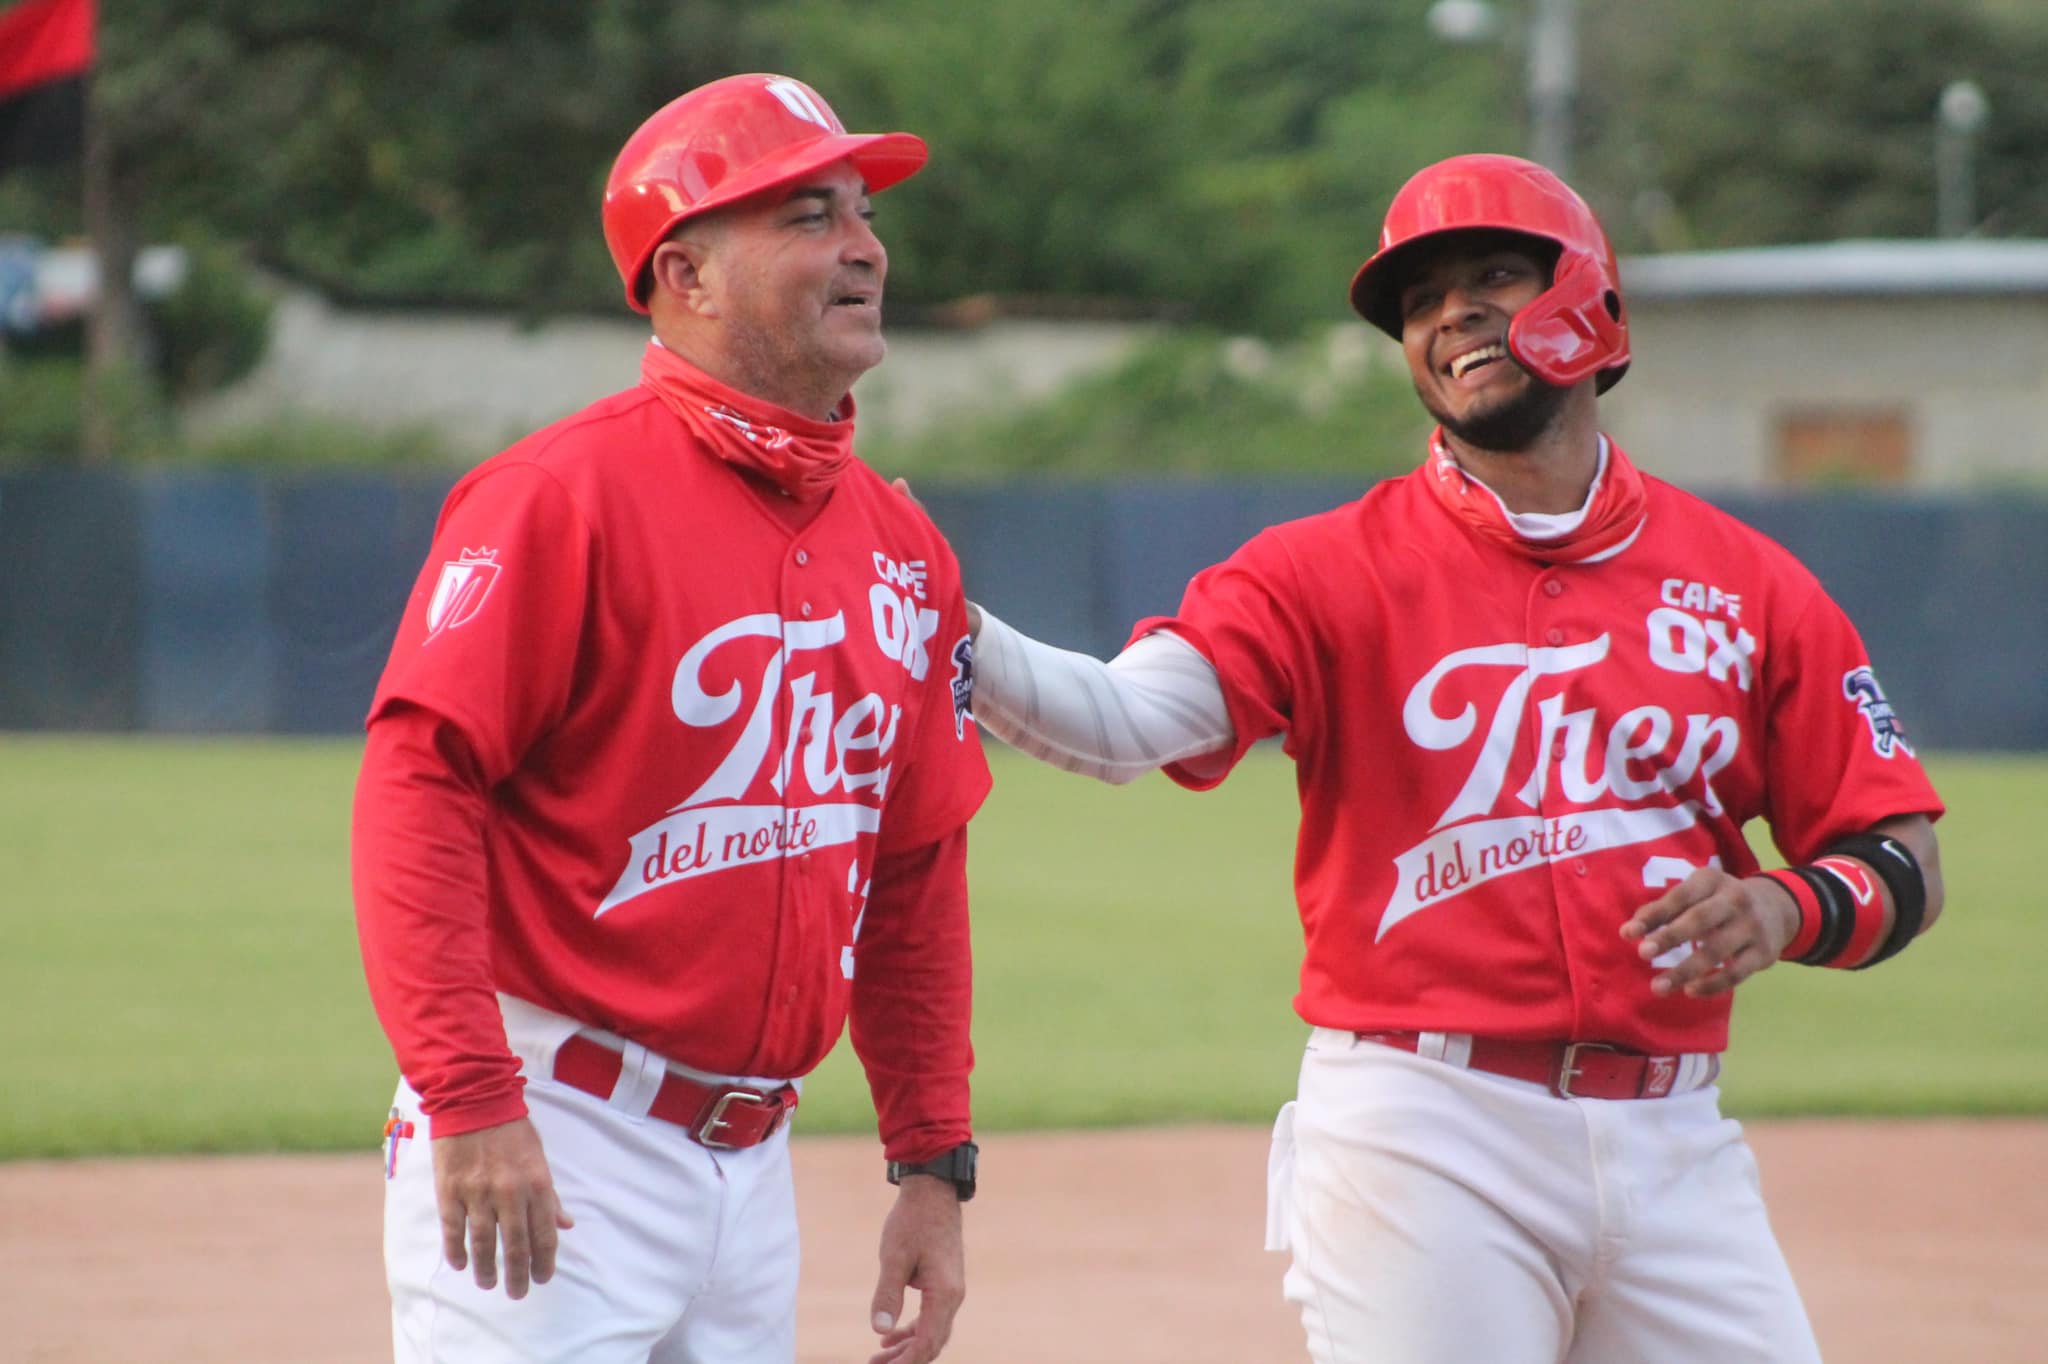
{"x":178,"y":966}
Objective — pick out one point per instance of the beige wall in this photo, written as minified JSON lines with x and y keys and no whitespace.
{"x":1701,"y":406}
{"x":484,"y":380}
{"x":1713,"y":377}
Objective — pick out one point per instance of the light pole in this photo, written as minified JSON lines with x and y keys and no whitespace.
{"x":1960,"y":115}
{"x":1553,"y":82}
{"x":1550,"y":39}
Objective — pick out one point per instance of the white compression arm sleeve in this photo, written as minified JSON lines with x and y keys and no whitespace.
{"x":1157,"y":702}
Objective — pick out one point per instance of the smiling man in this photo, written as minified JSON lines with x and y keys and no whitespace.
{"x":669,"y":773}
{"x":1533,"y":695}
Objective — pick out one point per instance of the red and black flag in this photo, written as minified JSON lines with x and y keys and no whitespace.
{"x":46,"y":49}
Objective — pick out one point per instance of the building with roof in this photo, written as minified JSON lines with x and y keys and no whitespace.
{"x":1915,"y":363}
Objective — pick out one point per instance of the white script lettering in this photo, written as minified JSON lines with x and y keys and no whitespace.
{"x":815,"y":725}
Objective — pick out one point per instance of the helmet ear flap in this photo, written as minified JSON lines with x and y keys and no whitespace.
{"x":1575,"y":329}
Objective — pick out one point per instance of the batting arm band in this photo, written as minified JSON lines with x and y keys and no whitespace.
{"x":1157,"y":702}
{"x":1810,"y":915}
{"x":1841,"y":915}
{"x":1827,"y":915}
{"x":1900,"y":871}
{"x":1866,"y":908}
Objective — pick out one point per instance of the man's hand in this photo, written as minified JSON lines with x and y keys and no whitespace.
{"x":1736,"y":926}
{"x":495,"y":1182}
{"x":920,"y":1249}
{"x":902,"y":485}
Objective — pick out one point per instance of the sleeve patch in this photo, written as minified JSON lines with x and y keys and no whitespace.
{"x":1887,"y":736}
{"x":963,"y":685}
{"x":461,"y":589}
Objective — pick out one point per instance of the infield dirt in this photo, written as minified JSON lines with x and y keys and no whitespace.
{"x":1913,"y":1240}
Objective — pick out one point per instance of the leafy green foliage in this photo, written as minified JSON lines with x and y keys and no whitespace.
{"x":1052,"y":163}
{"x":1226,"y":160}
{"x":401,"y":148}
{"x":310,"y":441}
{"x":1212,"y":160}
{"x":43,"y":402}
{"x":1729,"y":125}
{"x":213,"y":328}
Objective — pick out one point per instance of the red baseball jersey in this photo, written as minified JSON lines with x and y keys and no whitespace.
{"x":700,"y":727}
{"x":1500,"y":760}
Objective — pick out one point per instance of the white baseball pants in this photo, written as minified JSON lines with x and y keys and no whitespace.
{"x":680,"y":1254}
{"x":1438,"y":1215}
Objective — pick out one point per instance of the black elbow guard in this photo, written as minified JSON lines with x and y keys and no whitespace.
{"x":1896,"y":866}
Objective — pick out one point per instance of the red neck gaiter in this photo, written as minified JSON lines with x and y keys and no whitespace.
{"x":1611,"y":522}
{"x":800,"y":456}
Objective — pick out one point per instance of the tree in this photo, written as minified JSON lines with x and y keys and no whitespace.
{"x":440,"y":149}
{"x":1226,"y":159}
{"x":443,"y":150}
{"x":1805,"y":122}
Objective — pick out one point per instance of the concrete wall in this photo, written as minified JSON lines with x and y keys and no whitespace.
{"x":483,"y":379}
{"x":1713,"y":378}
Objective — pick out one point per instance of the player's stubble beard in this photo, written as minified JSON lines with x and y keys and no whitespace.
{"x":1513,"y":424}
{"x":794,"y":366}
{"x":774,"y":342}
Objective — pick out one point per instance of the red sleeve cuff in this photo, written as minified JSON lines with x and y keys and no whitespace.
{"x":476,"y":1115}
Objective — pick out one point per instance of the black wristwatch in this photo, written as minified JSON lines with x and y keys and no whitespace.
{"x":955,"y":1166}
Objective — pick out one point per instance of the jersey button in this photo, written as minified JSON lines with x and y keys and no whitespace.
{"x":1554,"y":636}
{"x":1579,"y":866}
{"x":803,"y":556}
{"x":1553,"y":588}
{"x":806,"y":609}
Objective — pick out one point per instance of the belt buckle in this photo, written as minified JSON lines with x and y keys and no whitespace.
{"x":1568,"y":1065}
{"x":712,"y":1121}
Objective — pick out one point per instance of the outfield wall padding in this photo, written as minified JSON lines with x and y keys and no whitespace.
{"x":208,"y":657}
{"x":71,"y":601}
{"x":210,"y":601}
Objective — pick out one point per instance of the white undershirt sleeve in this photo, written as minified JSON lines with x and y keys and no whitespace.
{"x":1157,"y":702}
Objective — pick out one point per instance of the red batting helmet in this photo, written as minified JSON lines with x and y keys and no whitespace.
{"x":722,"y":142}
{"x":1573,"y":330}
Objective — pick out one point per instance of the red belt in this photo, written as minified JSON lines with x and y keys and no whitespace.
{"x":1570,"y":1070}
{"x":726,"y":1117}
